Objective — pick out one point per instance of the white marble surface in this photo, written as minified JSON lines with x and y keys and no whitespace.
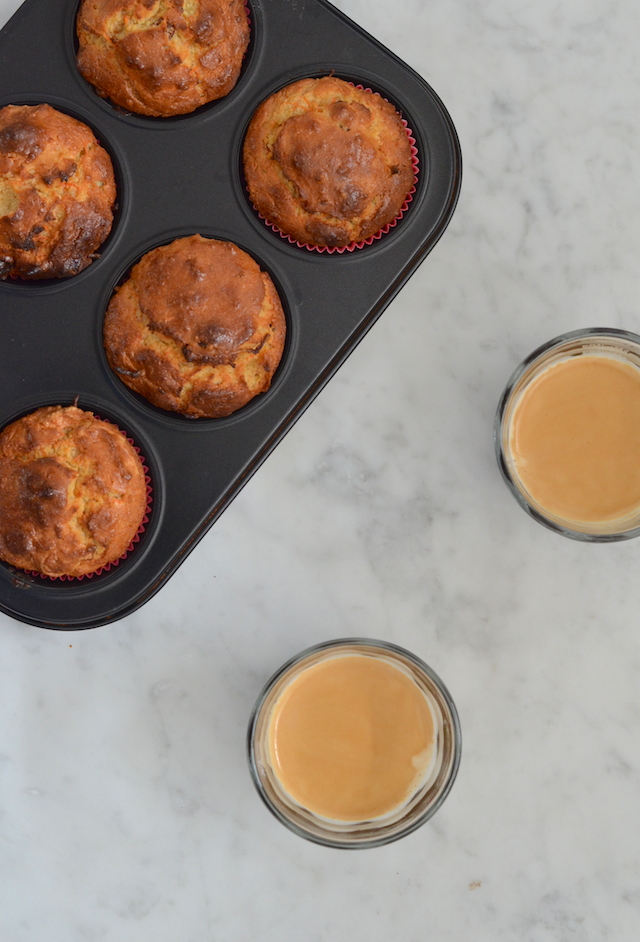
{"x":126,"y":808}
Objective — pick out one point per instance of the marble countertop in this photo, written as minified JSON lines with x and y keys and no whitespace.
{"x":126,"y":808}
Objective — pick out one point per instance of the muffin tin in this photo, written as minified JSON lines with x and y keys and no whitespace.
{"x":179,"y":176}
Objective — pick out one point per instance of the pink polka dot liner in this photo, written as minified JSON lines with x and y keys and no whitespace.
{"x":136,"y":538}
{"x":352,"y":246}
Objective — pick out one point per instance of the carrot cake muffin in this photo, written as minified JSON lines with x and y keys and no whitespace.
{"x":72,"y":492}
{"x":57,"y":193}
{"x":327,"y":163}
{"x":197,"y":328}
{"x":162,"y":57}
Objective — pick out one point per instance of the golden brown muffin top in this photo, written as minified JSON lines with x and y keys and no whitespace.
{"x":197,"y":328}
{"x":204,"y":295}
{"x":326,"y":162}
{"x":72,"y":492}
{"x":162,"y":57}
{"x":57,"y":192}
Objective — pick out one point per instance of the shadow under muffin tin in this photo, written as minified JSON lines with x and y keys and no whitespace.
{"x":176,"y":177}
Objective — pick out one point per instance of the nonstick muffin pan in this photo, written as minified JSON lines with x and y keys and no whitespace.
{"x":179,"y":176}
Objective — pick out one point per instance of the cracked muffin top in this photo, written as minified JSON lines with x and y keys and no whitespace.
{"x":162,"y":57}
{"x":327,"y":163}
{"x":197,"y":328}
{"x":73,"y":492}
{"x":57,"y":193}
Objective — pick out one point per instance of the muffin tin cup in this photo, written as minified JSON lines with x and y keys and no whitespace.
{"x":352,"y":246}
{"x":120,"y":207}
{"x":73,"y":46}
{"x":182,"y":418}
{"x":611,"y":342}
{"x":179,"y":176}
{"x":136,"y":539}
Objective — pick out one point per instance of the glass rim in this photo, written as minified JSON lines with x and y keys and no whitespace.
{"x":336,"y":840}
{"x":529,"y":362}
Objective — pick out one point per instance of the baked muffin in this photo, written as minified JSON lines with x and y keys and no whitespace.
{"x":162,"y":57}
{"x":72,"y":492}
{"x":327,"y":163}
{"x":196,"y":329}
{"x":57,"y":193}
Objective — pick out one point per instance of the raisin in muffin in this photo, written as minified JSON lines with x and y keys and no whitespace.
{"x":327,"y":163}
{"x":57,"y":192}
{"x":196,"y":329}
{"x":162,"y":57}
{"x":73,"y":492}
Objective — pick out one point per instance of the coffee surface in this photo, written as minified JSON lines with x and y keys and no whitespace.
{"x":575,"y":439}
{"x":351,"y":738}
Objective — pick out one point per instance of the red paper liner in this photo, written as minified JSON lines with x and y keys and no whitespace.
{"x":381,"y":232}
{"x":136,"y":538}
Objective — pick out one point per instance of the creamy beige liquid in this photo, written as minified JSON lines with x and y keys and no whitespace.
{"x":575,"y":439}
{"x":351,"y":738}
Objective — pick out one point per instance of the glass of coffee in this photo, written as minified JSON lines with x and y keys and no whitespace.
{"x":567,"y":434}
{"x":354,"y":743}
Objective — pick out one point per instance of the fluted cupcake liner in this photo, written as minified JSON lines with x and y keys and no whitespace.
{"x":352,"y":246}
{"x":136,"y":538}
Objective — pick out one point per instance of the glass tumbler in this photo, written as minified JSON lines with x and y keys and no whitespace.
{"x":609,"y":342}
{"x":420,"y":805}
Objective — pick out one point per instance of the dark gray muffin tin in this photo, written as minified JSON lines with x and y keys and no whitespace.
{"x":176,"y":177}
